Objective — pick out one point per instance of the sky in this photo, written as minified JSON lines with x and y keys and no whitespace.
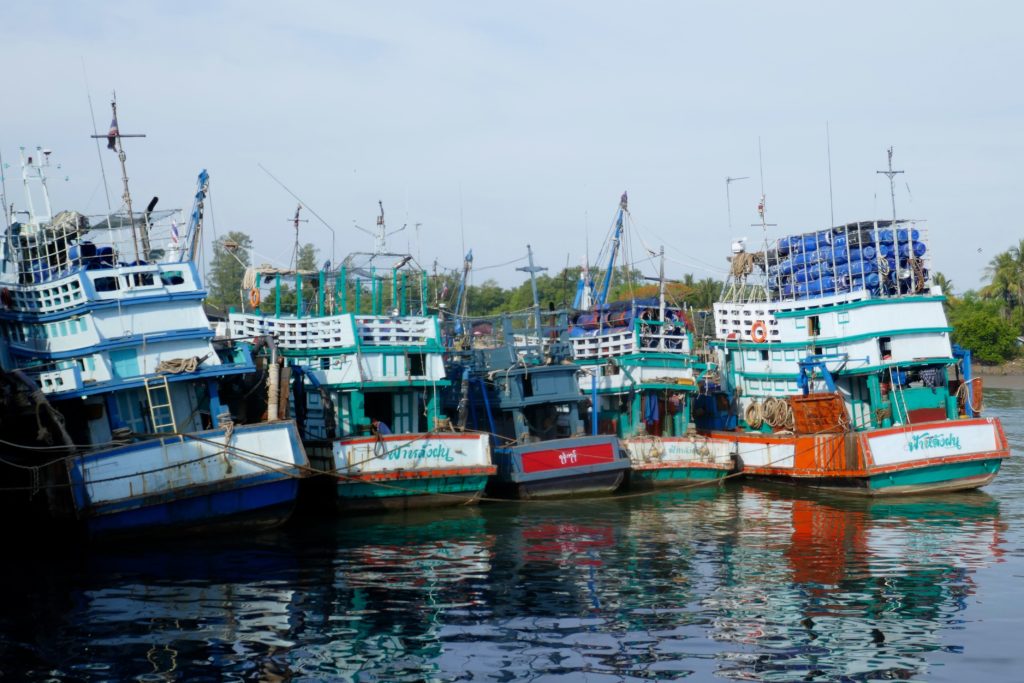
{"x":497,"y":125}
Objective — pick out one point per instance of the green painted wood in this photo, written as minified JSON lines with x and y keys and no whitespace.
{"x":412,"y":487}
{"x":935,"y":474}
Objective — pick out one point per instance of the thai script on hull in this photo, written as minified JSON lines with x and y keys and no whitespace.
{"x":927,"y":440}
{"x":421,"y":452}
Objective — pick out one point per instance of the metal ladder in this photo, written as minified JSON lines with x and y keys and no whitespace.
{"x":161,"y":411}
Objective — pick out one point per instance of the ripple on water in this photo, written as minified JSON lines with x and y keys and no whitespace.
{"x":742,"y":583}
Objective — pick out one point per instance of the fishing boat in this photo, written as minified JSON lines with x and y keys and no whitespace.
{"x":526,"y":394}
{"x":836,"y":367}
{"x":366,"y":361}
{"x":129,"y":418}
{"x":640,"y":372}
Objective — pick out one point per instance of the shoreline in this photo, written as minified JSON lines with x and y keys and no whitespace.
{"x":1013,"y":368}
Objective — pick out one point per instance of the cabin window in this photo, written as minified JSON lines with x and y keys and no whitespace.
{"x":755,"y":384}
{"x":752,"y":355}
{"x":325,"y":363}
{"x":813,"y":326}
{"x":776,"y":355}
{"x":172,"y":277}
{"x":124,"y":363}
{"x":417,"y":364}
{"x":106,"y":284}
{"x":843,"y":317}
{"x":142,"y":279}
{"x":790,"y":355}
{"x":764,"y":354}
{"x":885,"y":347}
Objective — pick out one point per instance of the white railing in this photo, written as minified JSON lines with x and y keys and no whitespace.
{"x":398,"y":331}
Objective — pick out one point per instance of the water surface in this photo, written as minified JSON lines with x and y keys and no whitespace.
{"x":737,"y":583}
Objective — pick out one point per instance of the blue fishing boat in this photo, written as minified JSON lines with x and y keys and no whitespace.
{"x":526,"y":394}
{"x":134,"y":420}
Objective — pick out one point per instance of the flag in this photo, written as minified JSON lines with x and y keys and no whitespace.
{"x":112,"y":134}
{"x":174,"y":233}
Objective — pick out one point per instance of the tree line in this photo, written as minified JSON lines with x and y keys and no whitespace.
{"x":989,"y":320}
{"x":486,"y":298}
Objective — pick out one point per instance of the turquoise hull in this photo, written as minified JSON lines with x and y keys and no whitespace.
{"x":940,"y":477}
{"x":673,"y":476}
{"x":411,"y":493}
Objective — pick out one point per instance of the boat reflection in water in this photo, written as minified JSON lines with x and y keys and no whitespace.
{"x":841,"y":588}
{"x":735,"y":582}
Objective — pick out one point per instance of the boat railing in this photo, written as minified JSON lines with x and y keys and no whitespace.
{"x":378,"y":330}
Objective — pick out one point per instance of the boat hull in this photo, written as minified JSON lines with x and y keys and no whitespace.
{"x":191,"y":482}
{"x":663,"y":462}
{"x":408,"y":491}
{"x":579,"y":466}
{"x":920,"y":458}
{"x":409,"y":471}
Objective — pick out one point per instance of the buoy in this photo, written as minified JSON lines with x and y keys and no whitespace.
{"x":759,"y":332}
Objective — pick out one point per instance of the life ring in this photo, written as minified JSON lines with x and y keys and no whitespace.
{"x":6,"y":298}
{"x":254,"y":297}
{"x":759,"y":332}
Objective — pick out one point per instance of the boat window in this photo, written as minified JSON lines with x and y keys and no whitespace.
{"x":417,"y":364}
{"x":813,"y":326}
{"x":106,"y":284}
{"x":885,"y":347}
{"x":172,"y":277}
{"x":764,"y":354}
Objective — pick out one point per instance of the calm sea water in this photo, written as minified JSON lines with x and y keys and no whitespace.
{"x":741,"y":583}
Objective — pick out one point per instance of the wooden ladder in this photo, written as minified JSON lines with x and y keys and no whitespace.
{"x":161,"y":410}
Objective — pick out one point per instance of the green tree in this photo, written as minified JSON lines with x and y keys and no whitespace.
{"x":704,"y":293}
{"x":978,"y":326}
{"x":227,"y":270}
{"x":1006,"y":279}
{"x":307,"y":257}
{"x":944,"y":283}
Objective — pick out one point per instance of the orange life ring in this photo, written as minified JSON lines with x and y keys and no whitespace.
{"x":254,"y":297}
{"x":6,"y":298}
{"x":759,"y":332}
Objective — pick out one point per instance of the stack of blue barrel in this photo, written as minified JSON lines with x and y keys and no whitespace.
{"x":847,"y":258}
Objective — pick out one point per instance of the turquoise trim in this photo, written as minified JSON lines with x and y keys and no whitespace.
{"x":429,"y":347}
{"x":412,"y":487}
{"x":829,"y":341}
{"x":855,"y":304}
{"x":679,"y":474}
{"x":935,"y":474}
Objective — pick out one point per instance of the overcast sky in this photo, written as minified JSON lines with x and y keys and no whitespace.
{"x":524,"y":122}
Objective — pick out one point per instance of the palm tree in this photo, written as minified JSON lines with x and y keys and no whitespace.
{"x":944,"y":283}
{"x":705,"y":293}
{"x":1006,"y":279}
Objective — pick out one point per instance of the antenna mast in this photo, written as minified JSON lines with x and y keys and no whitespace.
{"x":533,"y":270}
{"x":892,"y":183}
{"x":295,"y":222}
{"x":114,"y":142}
{"x":728,"y":200}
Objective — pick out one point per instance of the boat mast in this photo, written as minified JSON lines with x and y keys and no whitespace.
{"x":114,"y":142}
{"x":533,"y":270}
{"x":34,"y":168}
{"x":892,"y":185}
{"x":295,"y":223}
{"x":616,"y":238}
